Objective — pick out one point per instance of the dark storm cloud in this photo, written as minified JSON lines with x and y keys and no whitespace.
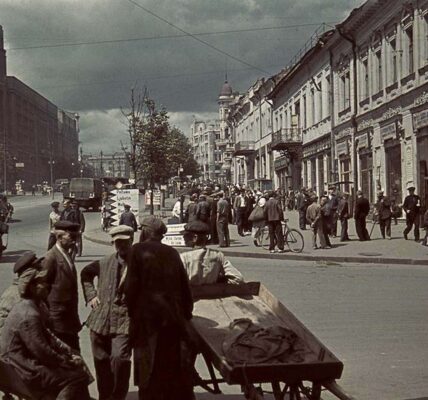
{"x":181,"y":73}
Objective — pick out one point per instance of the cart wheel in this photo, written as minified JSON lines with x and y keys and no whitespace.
{"x":294,"y":240}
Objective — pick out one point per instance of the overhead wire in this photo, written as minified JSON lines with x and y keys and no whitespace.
{"x":113,"y":41}
{"x":198,"y":39}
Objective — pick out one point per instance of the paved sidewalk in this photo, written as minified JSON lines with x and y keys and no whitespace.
{"x":376,"y":251}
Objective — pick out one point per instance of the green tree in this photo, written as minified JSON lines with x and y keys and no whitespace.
{"x":155,"y":150}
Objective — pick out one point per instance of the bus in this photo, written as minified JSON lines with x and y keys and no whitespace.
{"x":87,"y":192}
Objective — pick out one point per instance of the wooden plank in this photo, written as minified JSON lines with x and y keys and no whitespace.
{"x":223,"y":290}
{"x":298,"y":327}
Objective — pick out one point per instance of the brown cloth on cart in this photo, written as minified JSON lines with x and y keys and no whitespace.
{"x":250,"y":343}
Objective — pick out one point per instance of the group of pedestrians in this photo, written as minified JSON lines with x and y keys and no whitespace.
{"x":327,"y":215}
{"x":141,"y":304}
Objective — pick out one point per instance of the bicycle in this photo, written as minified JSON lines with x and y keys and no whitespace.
{"x":292,"y":238}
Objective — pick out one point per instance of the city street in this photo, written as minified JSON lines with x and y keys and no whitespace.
{"x":372,"y":317}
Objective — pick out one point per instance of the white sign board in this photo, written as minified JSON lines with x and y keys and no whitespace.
{"x":173,"y":236}
{"x":156,"y":198}
{"x":119,"y":198}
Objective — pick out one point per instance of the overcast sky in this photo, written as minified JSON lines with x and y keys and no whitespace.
{"x":180,"y":72}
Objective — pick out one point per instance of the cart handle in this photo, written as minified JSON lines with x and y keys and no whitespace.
{"x":337,"y":390}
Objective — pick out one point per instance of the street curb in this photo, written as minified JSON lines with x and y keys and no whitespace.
{"x":303,"y":257}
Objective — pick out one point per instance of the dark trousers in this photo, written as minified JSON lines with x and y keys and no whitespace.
{"x":344,"y":230}
{"x":275,"y":235}
{"x":112,"y":360}
{"x":72,"y":339}
{"x":240,"y":220}
{"x":425,"y":241}
{"x":360,"y":227}
{"x":302,"y":219}
{"x":410,"y":221}
{"x":223,"y":232}
{"x":214,"y":231}
{"x":79,"y":244}
{"x":333,"y":223}
{"x":51,"y":240}
{"x":385,"y":227}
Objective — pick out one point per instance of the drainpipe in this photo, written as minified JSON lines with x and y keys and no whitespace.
{"x":354,"y":123}
{"x":333,"y":171}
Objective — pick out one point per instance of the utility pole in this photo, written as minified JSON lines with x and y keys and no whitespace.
{"x":101,"y":164}
{"x":51,"y":162}
{"x":4,"y":162}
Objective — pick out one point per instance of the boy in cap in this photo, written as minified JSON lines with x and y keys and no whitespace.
{"x":11,"y":295}
{"x":63,"y":298}
{"x":109,"y":321}
{"x":54,"y":217}
{"x":204,"y":265}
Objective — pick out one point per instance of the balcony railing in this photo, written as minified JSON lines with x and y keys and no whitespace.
{"x":287,"y":139}
{"x":244,"y":148}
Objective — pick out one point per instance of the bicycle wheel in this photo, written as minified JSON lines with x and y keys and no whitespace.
{"x":264,"y":238}
{"x":294,"y":240}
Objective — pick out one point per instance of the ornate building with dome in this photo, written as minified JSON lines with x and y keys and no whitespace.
{"x":212,"y":143}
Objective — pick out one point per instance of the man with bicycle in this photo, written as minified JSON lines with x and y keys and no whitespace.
{"x":273,"y":216}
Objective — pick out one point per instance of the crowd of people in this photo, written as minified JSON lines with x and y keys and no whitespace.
{"x":327,"y":215}
{"x":141,"y":304}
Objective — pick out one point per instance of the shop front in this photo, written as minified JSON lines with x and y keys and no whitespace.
{"x":393,"y":173}
{"x":345,"y":166}
{"x":365,"y":156}
{"x":420,"y":124}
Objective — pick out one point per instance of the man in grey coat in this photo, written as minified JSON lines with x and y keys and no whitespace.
{"x":273,"y":216}
{"x":109,"y":321}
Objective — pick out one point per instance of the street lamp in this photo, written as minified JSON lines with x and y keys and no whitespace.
{"x":51,"y":163}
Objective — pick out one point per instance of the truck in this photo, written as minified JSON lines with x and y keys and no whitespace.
{"x":87,"y":192}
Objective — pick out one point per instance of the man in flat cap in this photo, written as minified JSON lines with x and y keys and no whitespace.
{"x":54,"y":217}
{"x":383,"y":214}
{"x":412,"y":208}
{"x":63,"y":298}
{"x":128,"y":218}
{"x":11,"y":295}
{"x":45,"y":365}
{"x":160,"y":305}
{"x":109,"y":321}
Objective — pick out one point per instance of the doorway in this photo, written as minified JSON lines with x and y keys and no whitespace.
{"x":393,"y":170}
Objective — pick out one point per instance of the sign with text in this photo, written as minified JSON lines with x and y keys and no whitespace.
{"x":173,"y":236}
{"x":120,"y":197}
{"x":156,"y":198}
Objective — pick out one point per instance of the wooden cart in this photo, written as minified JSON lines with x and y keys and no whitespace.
{"x":216,"y":306}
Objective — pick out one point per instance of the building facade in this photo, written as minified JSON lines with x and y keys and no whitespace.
{"x":39,"y":142}
{"x":212,"y":143}
{"x":107,"y":165}
{"x":351,"y":110}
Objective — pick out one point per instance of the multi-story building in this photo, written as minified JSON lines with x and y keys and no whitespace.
{"x":212,"y":141}
{"x":250,"y":120}
{"x":39,"y":142}
{"x":108,"y":165}
{"x":352,"y":109}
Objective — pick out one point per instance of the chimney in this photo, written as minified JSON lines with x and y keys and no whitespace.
{"x":2,"y":56}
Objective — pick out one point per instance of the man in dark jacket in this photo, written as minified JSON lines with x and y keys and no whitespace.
{"x":302,"y":205}
{"x":44,"y":364}
{"x":412,"y":208}
{"x":128,"y":218}
{"x":63,"y":298}
{"x":160,"y":305}
{"x":203,"y":209}
{"x":333,"y":204}
{"x":109,"y":321}
{"x":223,"y":212}
{"x":362,"y":208}
{"x":343,"y":215}
{"x":384,"y":214}
{"x":273,"y":216}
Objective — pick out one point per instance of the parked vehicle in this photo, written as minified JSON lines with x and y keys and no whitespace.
{"x":87,"y":192}
{"x":59,"y":184}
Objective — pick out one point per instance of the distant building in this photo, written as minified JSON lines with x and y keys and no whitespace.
{"x":212,"y":143}
{"x":108,"y":165}
{"x":34,"y":134}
